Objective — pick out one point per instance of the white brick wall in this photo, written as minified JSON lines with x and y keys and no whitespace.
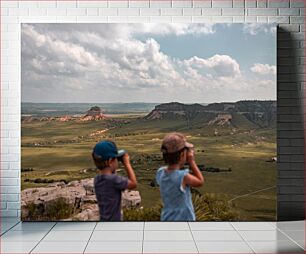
{"x":289,"y":13}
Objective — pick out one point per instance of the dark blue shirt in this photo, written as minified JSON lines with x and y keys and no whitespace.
{"x":108,"y":190}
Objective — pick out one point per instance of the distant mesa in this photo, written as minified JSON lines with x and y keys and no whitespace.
{"x":93,"y":114}
{"x":94,"y":111}
{"x":174,"y":110}
{"x":248,"y":113}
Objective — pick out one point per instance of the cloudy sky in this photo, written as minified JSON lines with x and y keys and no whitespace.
{"x":148,"y":62}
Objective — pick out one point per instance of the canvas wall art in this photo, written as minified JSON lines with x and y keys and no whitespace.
{"x":148,"y":122}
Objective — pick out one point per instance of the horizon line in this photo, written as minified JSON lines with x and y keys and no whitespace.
{"x":147,"y":102}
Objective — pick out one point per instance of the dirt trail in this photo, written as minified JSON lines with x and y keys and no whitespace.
{"x":254,"y":192}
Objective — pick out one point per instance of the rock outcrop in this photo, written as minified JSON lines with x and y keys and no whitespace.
{"x":77,"y":196}
{"x":93,"y":114}
{"x":221,"y":120}
{"x":65,"y":118}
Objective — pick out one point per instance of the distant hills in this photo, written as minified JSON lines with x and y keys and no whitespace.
{"x":241,"y":114}
{"x":249,"y":114}
{"x":93,"y":114}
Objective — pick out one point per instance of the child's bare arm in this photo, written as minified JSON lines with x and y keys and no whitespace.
{"x":132,"y":182}
{"x":195,"y":179}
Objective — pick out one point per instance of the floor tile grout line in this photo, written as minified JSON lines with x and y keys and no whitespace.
{"x":42,"y":238}
{"x":250,"y":229}
{"x":90,"y":237}
{"x":143,"y":232}
{"x":159,"y":230}
{"x":232,"y":226}
{"x":193,"y":237}
{"x":158,"y":240}
{"x":244,"y":240}
{"x":10,"y":228}
{"x":291,"y":238}
{"x":274,"y":226}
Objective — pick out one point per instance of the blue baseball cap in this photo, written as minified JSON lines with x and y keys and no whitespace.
{"x":106,"y":150}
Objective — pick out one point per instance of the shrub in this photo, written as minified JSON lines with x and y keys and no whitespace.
{"x":142,"y":214}
{"x":27,"y":169}
{"x":32,"y":212}
{"x":58,"y":209}
{"x":208,"y":207}
{"x":213,"y":207}
{"x":53,"y":210}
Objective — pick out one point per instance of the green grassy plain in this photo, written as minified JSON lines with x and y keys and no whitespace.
{"x":59,"y":150}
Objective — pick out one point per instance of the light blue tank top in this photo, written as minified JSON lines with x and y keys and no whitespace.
{"x":176,"y":199}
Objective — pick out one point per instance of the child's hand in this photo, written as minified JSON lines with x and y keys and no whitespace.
{"x":126,"y":159}
{"x":190,"y":155}
{"x":195,"y":177}
{"x":132,"y":182}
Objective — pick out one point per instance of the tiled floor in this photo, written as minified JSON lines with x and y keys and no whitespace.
{"x":152,"y":237}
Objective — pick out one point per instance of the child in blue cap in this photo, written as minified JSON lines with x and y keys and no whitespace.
{"x":108,"y":185}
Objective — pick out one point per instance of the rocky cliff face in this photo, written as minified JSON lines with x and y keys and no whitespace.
{"x":93,"y":114}
{"x":254,"y":114}
{"x":74,"y":201}
{"x":174,"y":110}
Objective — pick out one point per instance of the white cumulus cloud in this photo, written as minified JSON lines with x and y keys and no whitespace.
{"x":217,"y":65}
{"x":263,"y":69}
